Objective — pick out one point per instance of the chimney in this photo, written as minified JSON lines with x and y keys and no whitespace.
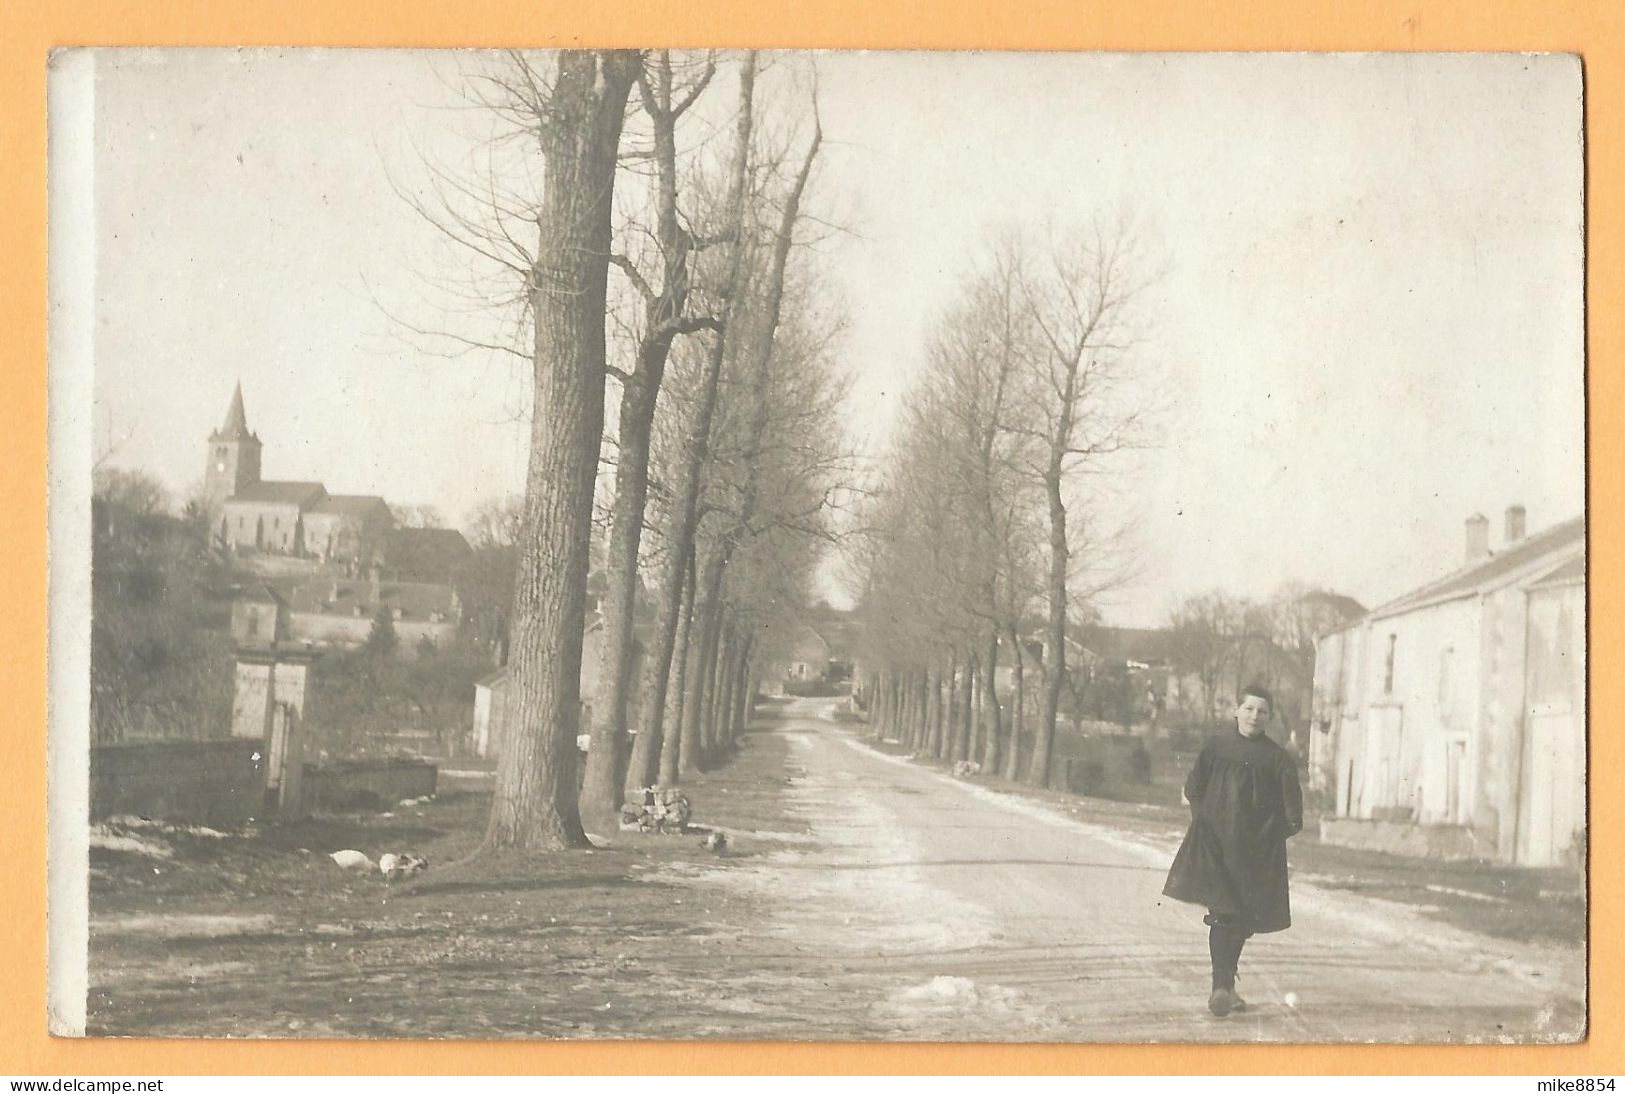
{"x":1515,"y":522}
{"x":1478,"y":538}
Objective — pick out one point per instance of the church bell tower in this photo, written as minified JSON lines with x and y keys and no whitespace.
{"x":234,"y":456}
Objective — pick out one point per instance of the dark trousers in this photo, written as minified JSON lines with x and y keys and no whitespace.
{"x":1225,"y":937}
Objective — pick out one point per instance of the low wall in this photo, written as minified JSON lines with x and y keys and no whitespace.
{"x":220,"y":783}
{"x":365,"y":784}
{"x":1092,"y":766}
{"x":1440,"y":841}
{"x":1100,"y":764}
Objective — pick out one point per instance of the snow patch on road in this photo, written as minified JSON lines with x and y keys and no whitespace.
{"x":183,"y":926}
{"x":953,"y":1007}
{"x":859,"y":892}
{"x":104,"y":840}
{"x":954,"y":993}
{"x":127,"y":821}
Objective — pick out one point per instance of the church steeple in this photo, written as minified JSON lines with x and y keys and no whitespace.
{"x":234,"y":456}
{"x":236,"y":426}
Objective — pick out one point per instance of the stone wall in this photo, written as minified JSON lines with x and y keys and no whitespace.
{"x":361,"y":784}
{"x":1441,"y":841}
{"x":220,"y":783}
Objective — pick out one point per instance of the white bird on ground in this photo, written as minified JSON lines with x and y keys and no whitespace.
{"x":351,"y":860}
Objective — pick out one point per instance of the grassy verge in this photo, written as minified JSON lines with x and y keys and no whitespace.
{"x":259,"y":933}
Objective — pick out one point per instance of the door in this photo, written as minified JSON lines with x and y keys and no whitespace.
{"x":1384,"y":758}
{"x":1554,"y":788}
{"x":1552,"y":818}
{"x":1455,"y":780}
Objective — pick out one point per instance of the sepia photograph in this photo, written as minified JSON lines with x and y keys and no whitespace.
{"x":825,"y":546}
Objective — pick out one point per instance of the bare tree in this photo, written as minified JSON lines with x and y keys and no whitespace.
{"x":685,"y":512}
{"x":665,"y":318}
{"x":578,"y":117}
{"x":495,"y":522}
{"x":1204,"y":630}
{"x":1077,"y":294}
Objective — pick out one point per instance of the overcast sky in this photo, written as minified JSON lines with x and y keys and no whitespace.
{"x":1369,"y":315}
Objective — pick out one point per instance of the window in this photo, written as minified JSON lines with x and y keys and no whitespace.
{"x":253,"y":623}
{"x":1447,"y":657}
{"x":1388,"y":668}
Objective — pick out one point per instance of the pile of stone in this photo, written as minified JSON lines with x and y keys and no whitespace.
{"x":655,"y":810}
{"x":964,"y":769}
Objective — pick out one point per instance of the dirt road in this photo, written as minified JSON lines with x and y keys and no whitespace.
{"x":942,"y":910}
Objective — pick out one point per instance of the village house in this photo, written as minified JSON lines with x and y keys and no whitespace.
{"x":328,"y":611}
{"x":807,"y":658}
{"x":491,"y":691}
{"x":818,"y":653}
{"x":424,"y":554}
{"x":1451,"y":721}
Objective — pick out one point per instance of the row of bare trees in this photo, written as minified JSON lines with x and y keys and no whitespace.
{"x":988,"y":517}
{"x":1221,"y":642}
{"x":664,"y":260}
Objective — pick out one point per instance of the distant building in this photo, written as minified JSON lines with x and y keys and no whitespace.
{"x":491,"y":691}
{"x":339,"y":612}
{"x":259,"y":618}
{"x":301,"y":519}
{"x":807,"y":659}
{"x":424,"y":554}
{"x":1454,"y":716}
{"x":347,"y":527}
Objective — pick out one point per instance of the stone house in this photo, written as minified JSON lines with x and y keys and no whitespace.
{"x":1451,"y":720}
{"x":339,"y":612}
{"x":491,"y":691}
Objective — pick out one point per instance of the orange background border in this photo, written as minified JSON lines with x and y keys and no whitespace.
{"x":28,"y":29}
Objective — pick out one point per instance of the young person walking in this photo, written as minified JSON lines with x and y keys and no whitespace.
{"x":1245,"y":801}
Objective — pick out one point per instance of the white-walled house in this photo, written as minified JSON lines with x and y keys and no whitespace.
{"x":1452,"y":719}
{"x":490,"y":692}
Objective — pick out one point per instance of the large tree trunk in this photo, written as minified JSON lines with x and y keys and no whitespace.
{"x":599,"y":804}
{"x":992,"y":736}
{"x":922,"y":709}
{"x":707,"y":620}
{"x":716,"y":720}
{"x":965,"y":735}
{"x":644,"y":768}
{"x":671,"y":743}
{"x":535,"y":799}
{"x":933,"y":711}
{"x":1055,"y":633}
{"x":741,"y":695}
{"x":978,"y":727}
{"x":1012,"y":754}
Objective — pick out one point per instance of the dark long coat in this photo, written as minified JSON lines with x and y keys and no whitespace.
{"x":1245,"y":802}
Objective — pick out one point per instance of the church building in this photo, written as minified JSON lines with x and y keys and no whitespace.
{"x":300,"y":519}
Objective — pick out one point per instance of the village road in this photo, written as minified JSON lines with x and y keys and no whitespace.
{"x":945,"y":910}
